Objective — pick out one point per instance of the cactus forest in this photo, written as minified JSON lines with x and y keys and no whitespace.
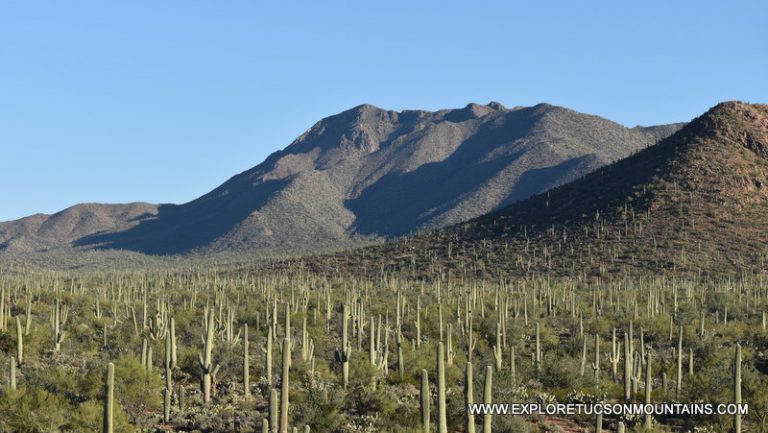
{"x":242,"y":350}
{"x":383,"y":216}
{"x":640,"y":283}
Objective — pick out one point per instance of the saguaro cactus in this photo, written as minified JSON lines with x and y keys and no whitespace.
{"x":104,"y":336}
{"x":284,"y":386}
{"x":424,"y":398}
{"x":173,"y":343}
{"x":168,"y":381}
{"x":166,"y":405}
{"x":627,"y":369}
{"x":109,"y":394}
{"x":599,"y":423}
{"x":538,"y":347}
{"x":442,"y":414}
{"x":246,"y":363}
{"x":418,"y":322}
{"x":400,"y":359}
{"x":12,"y":374}
{"x":679,"y":385}
{"x":469,"y":397}
{"x":144,"y":354}
{"x":372,"y":353}
{"x":307,"y":344}
{"x":207,"y":370}
{"x":273,"y":410}
{"x":268,"y":357}
{"x":648,"y":388}
{"x":512,"y":369}
{"x":498,"y":352}
{"x":345,"y":351}
{"x":149,"y":359}
{"x":28,"y":316}
{"x":614,"y":357}
{"x":690,"y":361}
{"x":59,"y":319}
{"x":488,"y":399}
{"x":182,"y":394}
{"x":19,"y":342}
{"x":596,"y":363}
{"x":450,"y":354}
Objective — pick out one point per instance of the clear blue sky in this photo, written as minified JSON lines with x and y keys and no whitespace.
{"x":161,"y":101}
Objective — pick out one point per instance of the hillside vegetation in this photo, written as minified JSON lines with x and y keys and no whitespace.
{"x":694,"y":203}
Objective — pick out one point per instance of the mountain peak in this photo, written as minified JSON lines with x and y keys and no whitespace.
{"x":737,"y":122}
{"x":497,"y":106}
{"x":479,"y":110}
{"x":366,"y":109}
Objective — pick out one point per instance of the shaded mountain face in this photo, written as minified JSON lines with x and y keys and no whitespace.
{"x":697,"y":202}
{"x":368,"y":173}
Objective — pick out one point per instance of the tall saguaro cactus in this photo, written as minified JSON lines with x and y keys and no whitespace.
{"x":512,"y":368}
{"x":469,"y":397}
{"x":648,"y":388}
{"x":345,"y":351}
{"x":442,"y":414}
{"x":284,"y":386}
{"x":596,"y":363}
{"x":207,"y":370}
{"x":400,"y":359}
{"x":679,"y":385}
{"x":627,"y":368}
{"x":268,"y":355}
{"x":614,"y":357}
{"x":19,"y":342}
{"x":498,"y":351}
{"x":168,"y":380}
{"x":109,"y":394}
{"x":246,"y":363}
{"x":538,"y":347}
{"x":488,"y":399}
{"x":59,"y":318}
{"x":173,"y":343}
{"x":424,"y":401}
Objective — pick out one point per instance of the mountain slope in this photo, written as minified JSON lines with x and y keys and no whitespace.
{"x":368,"y":173}
{"x":695,"y":202}
{"x":40,"y":232}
